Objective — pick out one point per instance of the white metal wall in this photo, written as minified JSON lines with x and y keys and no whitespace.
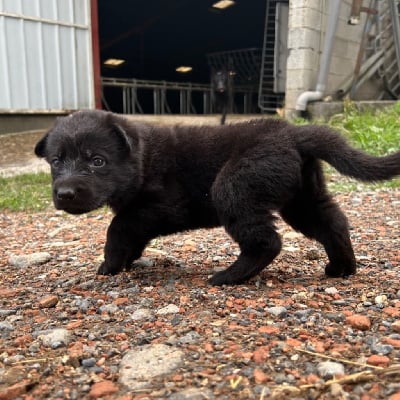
{"x":45,"y":55}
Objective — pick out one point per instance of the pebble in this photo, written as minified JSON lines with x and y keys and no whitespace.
{"x":141,"y":313}
{"x":102,"y":389}
{"x":48,"y":301}
{"x":277,"y":311}
{"x":190,"y":338}
{"x":384,"y":349}
{"x":143,"y":363}
{"x":6,"y":313}
{"x":193,"y":394}
{"x":329,"y":369}
{"x":109,"y":309}
{"x":169,"y":309}
{"x":331,"y":290}
{"x":382,"y":299}
{"x":6,"y":326}
{"x":378,"y":360}
{"x":360,"y":322}
{"x":396,"y":326}
{"x":88,"y":362}
{"x":28,"y":260}
{"x":55,"y":338}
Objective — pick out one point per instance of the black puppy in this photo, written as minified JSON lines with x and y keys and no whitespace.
{"x":222,"y":92}
{"x":161,"y":180}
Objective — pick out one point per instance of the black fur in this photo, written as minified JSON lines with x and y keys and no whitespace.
{"x":161,"y":180}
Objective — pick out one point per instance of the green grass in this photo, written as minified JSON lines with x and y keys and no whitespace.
{"x":29,"y":192}
{"x":374,"y":132}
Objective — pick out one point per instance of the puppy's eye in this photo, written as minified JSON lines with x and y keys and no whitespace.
{"x":55,"y":163}
{"x":98,"y":161}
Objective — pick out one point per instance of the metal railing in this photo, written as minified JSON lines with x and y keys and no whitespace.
{"x":136,"y":96}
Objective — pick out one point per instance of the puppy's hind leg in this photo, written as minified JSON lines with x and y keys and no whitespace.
{"x":247,"y":220}
{"x":259,"y":244}
{"x":313,"y":212}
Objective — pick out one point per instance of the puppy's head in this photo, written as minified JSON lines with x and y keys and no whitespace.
{"x":94,"y":161}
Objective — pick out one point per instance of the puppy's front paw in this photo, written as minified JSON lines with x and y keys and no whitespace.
{"x":105,"y":269}
{"x":223,"y":278}
{"x":336,"y":271}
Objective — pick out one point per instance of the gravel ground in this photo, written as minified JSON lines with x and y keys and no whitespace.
{"x":160,"y":331}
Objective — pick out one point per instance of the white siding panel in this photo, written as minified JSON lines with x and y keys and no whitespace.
{"x":45,"y":55}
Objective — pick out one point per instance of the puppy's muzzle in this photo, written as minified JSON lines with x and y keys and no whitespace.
{"x":65,"y":193}
{"x":73,"y":196}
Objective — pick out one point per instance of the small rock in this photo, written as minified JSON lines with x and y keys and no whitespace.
{"x":378,"y":360}
{"x":6,"y":326}
{"x":141,"y":313}
{"x":337,"y":391}
{"x":277,"y":311}
{"x":28,"y":260}
{"x":6,"y":313}
{"x":329,"y":369}
{"x":193,"y":394}
{"x":88,"y":362}
{"x":48,"y":301}
{"x":360,"y":322}
{"x":102,"y":389}
{"x":189,"y":338}
{"x":140,"y":365}
{"x":383,"y":349}
{"x":109,"y":309}
{"x":381,"y":299}
{"x":169,"y":309}
{"x":55,"y":338}
{"x":396,"y":326}
{"x":15,"y":391}
{"x":260,"y":376}
{"x":313,"y":255}
{"x":331,"y":290}
{"x":143,"y":262}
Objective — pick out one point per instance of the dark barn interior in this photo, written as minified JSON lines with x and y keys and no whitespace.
{"x":154,"y":37}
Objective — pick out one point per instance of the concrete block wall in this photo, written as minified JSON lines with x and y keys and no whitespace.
{"x":307,"y":23}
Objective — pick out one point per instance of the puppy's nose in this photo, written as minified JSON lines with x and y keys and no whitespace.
{"x":65,"y":193}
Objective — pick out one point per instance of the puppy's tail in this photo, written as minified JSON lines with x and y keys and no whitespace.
{"x":324,"y":143}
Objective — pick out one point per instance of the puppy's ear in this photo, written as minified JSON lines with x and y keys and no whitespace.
{"x":125,"y":142}
{"x":123,"y":137}
{"x":40,"y":148}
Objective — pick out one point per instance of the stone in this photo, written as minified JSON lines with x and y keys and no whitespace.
{"x":55,"y":338}
{"x":28,"y":260}
{"x":102,"y":389}
{"x":360,"y":322}
{"x":141,"y":313}
{"x":193,"y":394}
{"x":143,"y":363}
{"x":169,"y":309}
{"x":378,"y":360}
{"x":48,"y":301}
{"x":277,"y":311}
{"x":329,"y":369}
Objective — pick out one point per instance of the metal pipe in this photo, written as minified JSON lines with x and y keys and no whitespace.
{"x":333,"y":18}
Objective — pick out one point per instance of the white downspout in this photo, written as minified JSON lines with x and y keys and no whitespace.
{"x":333,"y":18}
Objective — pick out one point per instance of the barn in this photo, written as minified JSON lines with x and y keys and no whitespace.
{"x":155,"y":56}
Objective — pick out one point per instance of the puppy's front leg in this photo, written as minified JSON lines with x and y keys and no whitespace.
{"x":125,"y":243}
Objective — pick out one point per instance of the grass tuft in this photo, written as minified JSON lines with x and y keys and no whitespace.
{"x":28,"y":192}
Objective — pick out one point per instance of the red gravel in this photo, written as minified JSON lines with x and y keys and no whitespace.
{"x":266,"y":339}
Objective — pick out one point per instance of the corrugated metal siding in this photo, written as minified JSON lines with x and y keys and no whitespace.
{"x":45,"y":55}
